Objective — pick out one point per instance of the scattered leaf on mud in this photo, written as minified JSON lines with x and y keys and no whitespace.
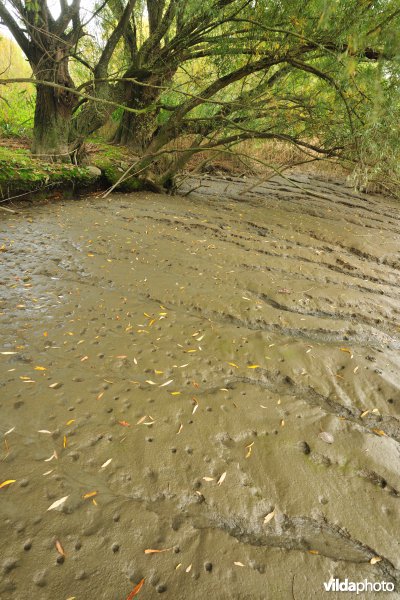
{"x":364,"y":414}
{"x":180,"y":429}
{"x":233,"y":365}
{"x":44,"y":431}
{"x":89,"y":495}
{"x":124,"y":423}
{"x":55,"y":385}
{"x":208,"y":478}
{"x":65,"y":441}
{"x":189,"y":568}
{"x":70,"y":421}
{"x":375,"y":559}
{"x":249,"y":449}
{"x":7,"y":482}
{"x":166,"y":383}
{"x":9,"y":431}
{"x":347,"y":350}
{"x":58,"y":503}
{"x":104,"y":465}
{"x":238,"y":564}
{"x":38,"y":368}
{"x":59,"y":547}
{"x":153,"y":551}
{"x":54,"y":455}
{"x":253,"y":366}
{"x":136,"y":590}
{"x":379,"y":432}
{"x":313,"y":552}
{"x":7,"y":353}
{"x":222,"y":478}
{"x":326,"y":437}
{"x":269,"y":517}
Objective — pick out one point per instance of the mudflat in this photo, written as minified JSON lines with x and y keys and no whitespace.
{"x":201,"y":391}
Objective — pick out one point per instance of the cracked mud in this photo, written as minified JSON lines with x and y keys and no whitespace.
{"x":179,"y":368}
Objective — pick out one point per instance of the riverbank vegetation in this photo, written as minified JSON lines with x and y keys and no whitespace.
{"x":172,"y":84}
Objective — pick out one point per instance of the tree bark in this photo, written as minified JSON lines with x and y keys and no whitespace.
{"x":137,"y":130}
{"x":53,"y":109}
{"x":51,"y":125}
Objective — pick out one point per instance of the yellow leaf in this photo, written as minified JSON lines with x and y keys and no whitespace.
{"x":249,"y":449}
{"x":347,"y":350}
{"x":375,"y":559}
{"x":253,"y":366}
{"x":379,"y":432}
{"x":70,"y":421}
{"x":89,"y":495}
{"x":7,"y":482}
{"x":40,"y":368}
{"x":233,"y":365}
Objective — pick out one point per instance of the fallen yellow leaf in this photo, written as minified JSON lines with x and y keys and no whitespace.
{"x":7,"y":482}
{"x":89,"y":495}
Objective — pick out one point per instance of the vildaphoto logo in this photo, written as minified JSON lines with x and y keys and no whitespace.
{"x":336,"y":585}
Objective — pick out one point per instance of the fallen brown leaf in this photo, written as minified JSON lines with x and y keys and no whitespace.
{"x":136,"y":590}
{"x":59,"y":548}
{"x":155,"y":551}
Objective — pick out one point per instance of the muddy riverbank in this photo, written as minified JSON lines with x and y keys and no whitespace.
{"x":214,"y":375}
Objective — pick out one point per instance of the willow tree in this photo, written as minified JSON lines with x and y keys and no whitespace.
{"x":49,"y":42}
{"x":228,"y":71}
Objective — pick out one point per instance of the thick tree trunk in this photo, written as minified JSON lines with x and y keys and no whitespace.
{"x":53,"y":110}
{"x":51,"y":125}
{"x":137,"y":130}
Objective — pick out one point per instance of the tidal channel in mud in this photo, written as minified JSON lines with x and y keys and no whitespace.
{"x":214,"y":375}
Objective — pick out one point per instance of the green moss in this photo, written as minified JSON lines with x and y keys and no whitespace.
{"x":21,"y":173}
{"x":112,"y":175}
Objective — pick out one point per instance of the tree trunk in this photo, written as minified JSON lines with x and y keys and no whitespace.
{"x":51,"y":125}
{"x":53,"y":109}
{"x":136,"y":130}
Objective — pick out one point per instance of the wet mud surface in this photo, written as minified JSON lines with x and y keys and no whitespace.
{"x":214,"y":375}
